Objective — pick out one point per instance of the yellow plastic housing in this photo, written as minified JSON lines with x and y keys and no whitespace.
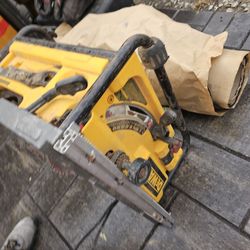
{"x":36,"y":58}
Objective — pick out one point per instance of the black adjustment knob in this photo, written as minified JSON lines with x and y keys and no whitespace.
{"x":154,"y":56}
{"x":169,"y":117}
{"x":139,"y":171}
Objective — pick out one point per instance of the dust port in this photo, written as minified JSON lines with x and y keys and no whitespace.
{"x":11,"y":96}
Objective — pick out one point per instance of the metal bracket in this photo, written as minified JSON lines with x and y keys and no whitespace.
{"x":68,"y":137}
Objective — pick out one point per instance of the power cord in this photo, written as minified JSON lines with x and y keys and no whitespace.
{"x":101,"y":221}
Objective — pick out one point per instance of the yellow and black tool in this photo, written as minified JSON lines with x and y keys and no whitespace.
{"x":106,"y":99}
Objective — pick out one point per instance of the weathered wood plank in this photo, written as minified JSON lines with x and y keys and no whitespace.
{"x":20,"y":164}
{"x":124,"y":229}
{"x":78,"y":211}
{"x":217,"y":179}
{"x":231,"y":131}
{"x":49,"y":188}
{"x":196,"y":228}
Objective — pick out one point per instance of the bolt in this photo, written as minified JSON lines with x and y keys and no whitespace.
{"x":119,"y":181}
{"x":158,"y":217}
{"x":110,"y":99}
{"x":91,"y":157}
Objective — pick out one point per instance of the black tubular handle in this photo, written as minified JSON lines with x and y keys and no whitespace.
{"x":67,"y":86}
{"x":180,"y":122}
{"x":86,"y":104}
{"x":71,"y":85}
{"x":45,"y":32}
{"x":83,"y":109}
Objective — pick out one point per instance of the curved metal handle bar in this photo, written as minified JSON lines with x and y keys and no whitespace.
{"x":85,"y":106}
{"x":45,"y":31}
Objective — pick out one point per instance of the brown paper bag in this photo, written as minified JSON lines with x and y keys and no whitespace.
{"x":62,"y":30}
{"x":228,"y":77}
{"x":190,"y":51}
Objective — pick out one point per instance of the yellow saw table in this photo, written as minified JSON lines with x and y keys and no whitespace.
{"x":108,"y":97}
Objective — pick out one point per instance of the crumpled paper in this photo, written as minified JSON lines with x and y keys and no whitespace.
{"x":197,"y":62}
